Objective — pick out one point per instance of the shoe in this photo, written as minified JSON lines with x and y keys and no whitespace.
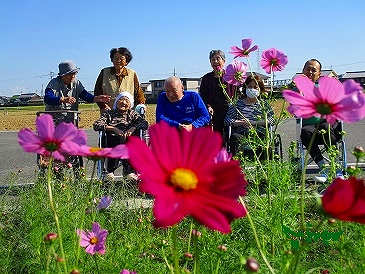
{"x":132,"y":176}
{"x":339,"y":175}
{"x":108,"y":177}
{"x":320,"y":178}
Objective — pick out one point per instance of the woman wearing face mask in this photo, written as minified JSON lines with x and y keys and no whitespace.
{"x":248,"y":112}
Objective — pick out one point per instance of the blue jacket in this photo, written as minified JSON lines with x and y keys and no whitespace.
{"x":189,"y":110}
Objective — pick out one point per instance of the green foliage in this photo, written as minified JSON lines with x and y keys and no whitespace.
{"x":134,"y":244}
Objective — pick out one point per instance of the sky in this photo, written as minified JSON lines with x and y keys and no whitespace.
{"x":167,"y":37}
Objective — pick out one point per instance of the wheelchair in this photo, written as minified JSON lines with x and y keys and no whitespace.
{"x":300,"y":150}
{"x":275,"y":149}
{"x":59,"y":116}
{"x":102,"y":142}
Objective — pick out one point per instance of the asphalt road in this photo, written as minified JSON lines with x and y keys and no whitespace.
{"x":19,"y":167}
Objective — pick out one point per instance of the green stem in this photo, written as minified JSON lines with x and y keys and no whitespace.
{"x":96,"y":263}
{"x":196,"y":256}
{"x":175,"y":250}
{"x":50,"y":196}
{"x":87,"y":200}
{"x":302,"y":197}
{"x":256,"y":237}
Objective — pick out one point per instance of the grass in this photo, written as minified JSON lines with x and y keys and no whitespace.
{"x":134,"y":244}
{"x":272,"y":231}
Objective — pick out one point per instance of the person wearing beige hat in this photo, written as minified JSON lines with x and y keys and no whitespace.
{"x":64,"y":91}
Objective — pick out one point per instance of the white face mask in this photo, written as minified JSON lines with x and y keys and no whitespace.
{"x":252,"y":93}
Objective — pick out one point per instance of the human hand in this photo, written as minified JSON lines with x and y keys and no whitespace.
{"x":188,"y":127}
{"x":68,"y":100}
{"x":117,"y":131}
{"x":102,"y":99}
{"x":129,"y":132}
{"x":210,"y":110}
{"x":246,"y":123}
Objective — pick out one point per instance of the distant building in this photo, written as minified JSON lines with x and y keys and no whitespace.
{"x":4,"y":100}
{"x":26,"y":99}
{"x":147,"y":89}
{"x":157,"y":86}
{"x":324,"y":72}
{"x":357,"y":76}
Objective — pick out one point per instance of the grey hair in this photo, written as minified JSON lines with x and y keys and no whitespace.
{"x":171,"y":79}
{"x":217,"y":52}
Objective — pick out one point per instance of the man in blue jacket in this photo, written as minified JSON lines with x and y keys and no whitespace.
{"x":179,"y":108}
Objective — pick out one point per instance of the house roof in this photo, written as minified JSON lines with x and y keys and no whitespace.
{"x":327,"y":72}
{"x":27,"y":95}
{"x":324,"y":72}
{"x":262,"y":76}
{"x":354,"y":74}
{"x":181,"y":78}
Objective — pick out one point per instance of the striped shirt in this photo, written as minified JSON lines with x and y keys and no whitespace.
{"x":254,"y":112}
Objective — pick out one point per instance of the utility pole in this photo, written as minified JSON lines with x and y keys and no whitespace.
{"x":258,"y":61}
{"x":174,"y":72}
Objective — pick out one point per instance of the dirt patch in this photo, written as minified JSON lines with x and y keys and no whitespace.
{"x":13,"y":119}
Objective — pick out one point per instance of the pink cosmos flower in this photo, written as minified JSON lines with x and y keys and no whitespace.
{"x":219,"y":70}
{"x":96,"y":153}
{"x":180,"y":172}
{"x":126,"y":271}
{"x":273,"y":60}
{"x":235,"y":73}
{"x":245,"y":51}
{"x":93,"y":240}
{"x":66,"y":138}
{"x":331,"y":100}
{"x":223,"y":156}
{"x":104,"y":202}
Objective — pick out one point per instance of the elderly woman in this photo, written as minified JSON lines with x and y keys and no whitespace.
{"x":248,"y":112}
{"x":211,"y":90}
{"x":113,"y":80}
{"x":120,"y":123}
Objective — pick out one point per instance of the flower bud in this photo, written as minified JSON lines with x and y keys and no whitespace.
{"x":358,"y":152}
{"x":252,"y":265}
{"x":222,"y":247}
{"x":60,"y":259}
{"x":50,"y":237}
{"x":188,"y":255}
{"x":196,"y":233}
{"x":331,"y":221}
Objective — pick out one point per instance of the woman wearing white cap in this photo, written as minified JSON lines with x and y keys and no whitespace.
{"x":64,"y":91}
{"x":119,"y":123}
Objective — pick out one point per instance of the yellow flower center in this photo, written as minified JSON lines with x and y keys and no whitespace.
{"x":184,"y":178}
{"x":94,"y":149}
{"x":94,"y":240}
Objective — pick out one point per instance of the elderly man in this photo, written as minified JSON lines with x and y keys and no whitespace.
{"x":312,"y":69}
{"x":179,"y":108}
